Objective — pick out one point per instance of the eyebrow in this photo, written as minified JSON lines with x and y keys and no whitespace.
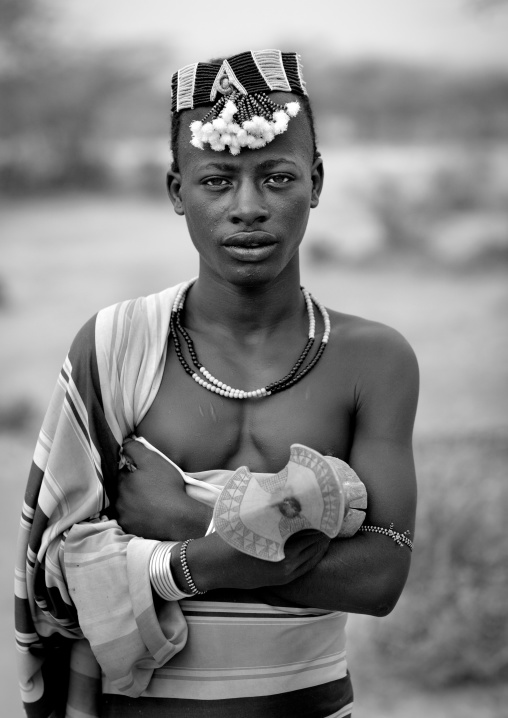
{"x":266,"y":165}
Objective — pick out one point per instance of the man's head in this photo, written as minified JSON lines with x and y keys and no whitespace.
{"x":246,"y":187}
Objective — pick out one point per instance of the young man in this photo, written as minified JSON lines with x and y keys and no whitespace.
{"x":118,"y":577}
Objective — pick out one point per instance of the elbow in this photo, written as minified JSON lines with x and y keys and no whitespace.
{"x":382,"y":609}
{"x":386,"y":593}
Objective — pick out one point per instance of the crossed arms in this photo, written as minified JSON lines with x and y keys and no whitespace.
{"x":365,"y":574}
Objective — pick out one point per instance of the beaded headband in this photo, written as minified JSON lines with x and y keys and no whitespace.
{"x":239,"y":87}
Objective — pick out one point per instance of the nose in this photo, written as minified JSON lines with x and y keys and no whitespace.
{"x":248,"y":205}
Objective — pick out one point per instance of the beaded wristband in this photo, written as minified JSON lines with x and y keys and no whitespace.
{"x":399,"y":538}
{"x":160,"y":573}
{"x":186,"y":570}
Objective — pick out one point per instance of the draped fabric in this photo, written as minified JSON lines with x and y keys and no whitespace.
{"x":90,"y":637}
{"x":66,"y":533}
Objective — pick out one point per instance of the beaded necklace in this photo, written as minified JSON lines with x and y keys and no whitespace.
{"x":203,"y":377}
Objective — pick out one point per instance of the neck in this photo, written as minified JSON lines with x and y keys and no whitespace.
{"x":202,"y":375}
{"x":245,"y":308}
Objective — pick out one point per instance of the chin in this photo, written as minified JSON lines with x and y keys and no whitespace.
{"x":253,"y":275}
{"x":260,"y":274}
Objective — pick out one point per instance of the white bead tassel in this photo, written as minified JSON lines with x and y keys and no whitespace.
{"x":255,"y":133}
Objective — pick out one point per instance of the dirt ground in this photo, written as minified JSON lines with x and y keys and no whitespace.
{"x":61,"y":260}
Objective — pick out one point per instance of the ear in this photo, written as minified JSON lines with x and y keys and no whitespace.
{"x":318,"y":175}
{"x":174,"y":187}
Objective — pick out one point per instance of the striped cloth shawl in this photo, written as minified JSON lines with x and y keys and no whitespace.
{"x":85,"y":616}
{"x":66,"y":540}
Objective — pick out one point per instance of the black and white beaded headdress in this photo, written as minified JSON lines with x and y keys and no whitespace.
{"x":242,"y":114}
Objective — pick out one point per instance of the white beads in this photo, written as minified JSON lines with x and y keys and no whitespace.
{"x":180,"y":295}
{"x":326,"y":320}
{"x":399,"y":538}
{"x":209,"y":382}
{"x":310,"y":313}
{"x":217,"y":387}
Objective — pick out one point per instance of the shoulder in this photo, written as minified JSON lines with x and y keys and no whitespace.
{"x":113,"y":327}
{"x":380,"y":366}
{"x":132,"y":319}
{"x":366,"y":336}
{"x":140,"y":309}
{"x":375,"y":350}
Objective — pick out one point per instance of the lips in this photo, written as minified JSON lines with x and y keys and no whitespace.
{"x":250,"y":246}
{"x":250,"y":240}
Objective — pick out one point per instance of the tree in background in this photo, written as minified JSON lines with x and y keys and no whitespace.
{"x":55,"y":99}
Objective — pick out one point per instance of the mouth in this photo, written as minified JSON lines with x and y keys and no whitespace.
{"x":250,"y":240}
{"x":250,"y":246}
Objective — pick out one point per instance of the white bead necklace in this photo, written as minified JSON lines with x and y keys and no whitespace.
{"x":205,"y":379}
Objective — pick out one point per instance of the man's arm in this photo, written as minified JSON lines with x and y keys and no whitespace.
{"x":364,"y":574}
{"x":367,"y":573}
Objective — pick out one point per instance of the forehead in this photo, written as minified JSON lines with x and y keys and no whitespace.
{"x":295,"y":142}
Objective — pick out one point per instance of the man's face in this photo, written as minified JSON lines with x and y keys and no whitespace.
{"x":247,"y":214}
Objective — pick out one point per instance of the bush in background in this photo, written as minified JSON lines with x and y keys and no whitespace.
{"x":440,"y":207}
{"x":60,"y":101}
{"x":451,"y":624}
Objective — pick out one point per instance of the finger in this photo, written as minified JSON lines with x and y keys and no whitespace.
{"x":310,"y":558}
{"x":137,"y":453}
{"x":133,"y":448}
{"x":304,"y":551}
{"x":309,"y":532}
{"x":304,"y":539}
{"x":126,"y":462}
{"x":127,"y":473}
{"x":308,"y":546}
{"x":146,"y":457}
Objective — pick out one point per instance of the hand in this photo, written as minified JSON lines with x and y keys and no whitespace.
{"x":151,"y":500}
{"x":215,"y":564}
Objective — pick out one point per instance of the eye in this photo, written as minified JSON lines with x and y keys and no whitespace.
{"x":215,"y":182}
{"x":279,"y":179}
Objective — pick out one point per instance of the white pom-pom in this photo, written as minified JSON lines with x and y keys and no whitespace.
{"x":258,"y":143}
{"x":293,"y":108}
{"x":219,"y":124}
{"x":206,"y":131}
{"x":280,"y":116}
{"x":229,"y":110}
{"x":281,"y":121}
{"x":217,"y":143}
{"x":223,"y":131}
{"x":234,"y":146}
{"x":259,"y":124}
{"x":241,"y":137}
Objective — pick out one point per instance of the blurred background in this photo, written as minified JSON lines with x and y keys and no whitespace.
{"x":411,"y":101}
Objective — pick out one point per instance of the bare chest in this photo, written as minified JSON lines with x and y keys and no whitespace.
{"x":200,"y":430}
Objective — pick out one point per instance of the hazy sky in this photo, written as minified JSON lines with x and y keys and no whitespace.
{"x":452,"y":31}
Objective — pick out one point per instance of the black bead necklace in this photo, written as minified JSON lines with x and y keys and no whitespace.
{"x":203,"y":377}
